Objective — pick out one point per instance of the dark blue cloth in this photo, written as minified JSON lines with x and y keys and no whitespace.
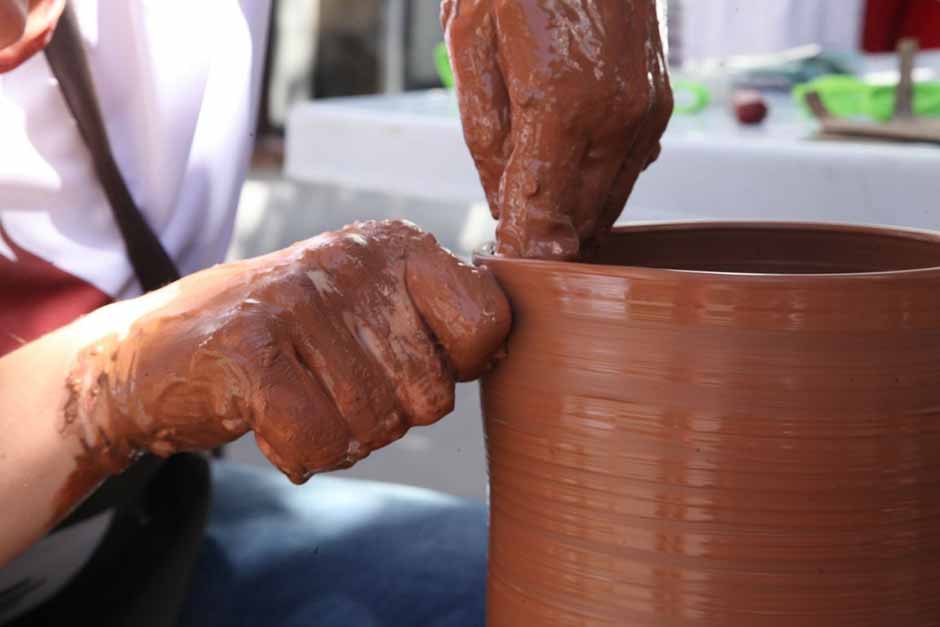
{"x":336,"y":553}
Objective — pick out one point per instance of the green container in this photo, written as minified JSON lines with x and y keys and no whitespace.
{"x":926,"y":100}
{"x":848,"y":96}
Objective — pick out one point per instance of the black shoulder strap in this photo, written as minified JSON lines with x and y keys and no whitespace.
{"x":66,"y":57}
{"x":151,"y":263}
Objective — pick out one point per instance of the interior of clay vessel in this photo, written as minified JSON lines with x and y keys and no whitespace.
{"x":770,"y":249}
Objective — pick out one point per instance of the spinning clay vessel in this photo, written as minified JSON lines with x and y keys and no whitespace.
{"x":721,"y":425}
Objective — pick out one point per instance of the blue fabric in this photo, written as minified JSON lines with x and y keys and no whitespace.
{"x":336,"y":553}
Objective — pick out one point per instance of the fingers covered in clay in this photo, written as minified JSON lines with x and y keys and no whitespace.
{"x":327,"y":350}
{"x":296,"y":423}
{"x":471,"y":33}
{"x":588,"y":99}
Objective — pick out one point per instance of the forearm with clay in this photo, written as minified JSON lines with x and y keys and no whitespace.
{"x":326,"y":350}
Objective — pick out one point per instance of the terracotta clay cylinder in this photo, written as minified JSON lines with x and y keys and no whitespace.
{"x":722,"y":425}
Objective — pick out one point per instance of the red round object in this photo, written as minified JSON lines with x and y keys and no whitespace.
{"x":750,"y":107}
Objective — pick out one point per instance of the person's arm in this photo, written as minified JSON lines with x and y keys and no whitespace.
{"x":39,"y":457}
{"x":563,"y":104}
{"x":327,"y":350}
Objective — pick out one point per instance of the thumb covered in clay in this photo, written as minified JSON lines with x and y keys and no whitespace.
{"x":463,"y":306}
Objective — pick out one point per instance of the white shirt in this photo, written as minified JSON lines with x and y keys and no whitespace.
{"x":178,"y":82}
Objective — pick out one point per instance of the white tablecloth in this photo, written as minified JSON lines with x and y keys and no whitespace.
{"x":710,"y":168}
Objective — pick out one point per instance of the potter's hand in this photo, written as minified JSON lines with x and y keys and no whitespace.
{"x":327,"y":350}
{"x":563,"y":104}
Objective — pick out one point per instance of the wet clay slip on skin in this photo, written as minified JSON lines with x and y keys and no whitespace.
{"x":722,"y":425}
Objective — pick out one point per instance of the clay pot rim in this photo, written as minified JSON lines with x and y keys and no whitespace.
{"x":484,"y":254}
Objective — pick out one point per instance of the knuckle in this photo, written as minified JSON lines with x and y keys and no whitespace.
{"x":636,"y":107}
{"x":362,"y":233}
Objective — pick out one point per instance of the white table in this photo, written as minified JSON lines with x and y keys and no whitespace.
{"x":710,"y":168}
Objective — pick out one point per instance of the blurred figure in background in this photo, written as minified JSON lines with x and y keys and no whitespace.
{"x":888,"y":21}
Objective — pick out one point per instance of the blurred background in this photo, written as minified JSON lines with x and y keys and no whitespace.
{"x":356,"y":123}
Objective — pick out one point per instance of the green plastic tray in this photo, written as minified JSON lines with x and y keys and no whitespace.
{"x":847,"y":96}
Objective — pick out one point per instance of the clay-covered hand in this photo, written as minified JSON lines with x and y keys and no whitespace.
{"x":327,"y":350}
{"x":563,"y":104}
